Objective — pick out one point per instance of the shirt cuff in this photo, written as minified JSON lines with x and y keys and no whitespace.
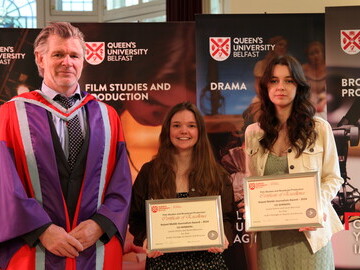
{"x":32,"y":238}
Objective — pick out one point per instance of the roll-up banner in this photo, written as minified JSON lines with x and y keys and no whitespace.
{"x":342,"y":34}
{"x":231,"y":54}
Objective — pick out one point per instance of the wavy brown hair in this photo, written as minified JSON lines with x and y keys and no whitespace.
{"x":300,"y":124}
{"x":205,"y":174}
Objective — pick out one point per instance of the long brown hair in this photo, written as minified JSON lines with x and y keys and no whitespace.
{"x":205,"y":174}
{"x":300,"y":124}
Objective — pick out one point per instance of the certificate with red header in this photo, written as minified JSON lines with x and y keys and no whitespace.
{"x":282,"y":202}
{"x":184,"y":224}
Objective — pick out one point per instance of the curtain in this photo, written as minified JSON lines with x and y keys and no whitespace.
{"x":182,"y":10}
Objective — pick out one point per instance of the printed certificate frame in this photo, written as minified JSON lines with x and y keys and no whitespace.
{"x":283,"y":202}
{"x":184,"y":224}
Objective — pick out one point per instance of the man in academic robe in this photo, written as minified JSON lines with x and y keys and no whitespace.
{"x":65,"y":183}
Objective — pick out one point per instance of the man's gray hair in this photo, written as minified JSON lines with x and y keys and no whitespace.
{"x":62,"y":29}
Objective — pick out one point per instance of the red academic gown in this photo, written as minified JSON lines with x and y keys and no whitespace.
{"x":30,"y":190}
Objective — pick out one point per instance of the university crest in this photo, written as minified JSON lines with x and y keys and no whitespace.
{"x":350,"y":41}
{"x":220,"y":48}
{"x":95,"y":52}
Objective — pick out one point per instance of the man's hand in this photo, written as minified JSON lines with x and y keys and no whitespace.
{"x":56,"y":240}
{"x":87,"y":233}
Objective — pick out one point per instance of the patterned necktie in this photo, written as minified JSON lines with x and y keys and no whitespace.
{"x":76,"y":139}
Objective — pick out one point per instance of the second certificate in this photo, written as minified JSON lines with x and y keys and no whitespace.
{"x":280,"y":202}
